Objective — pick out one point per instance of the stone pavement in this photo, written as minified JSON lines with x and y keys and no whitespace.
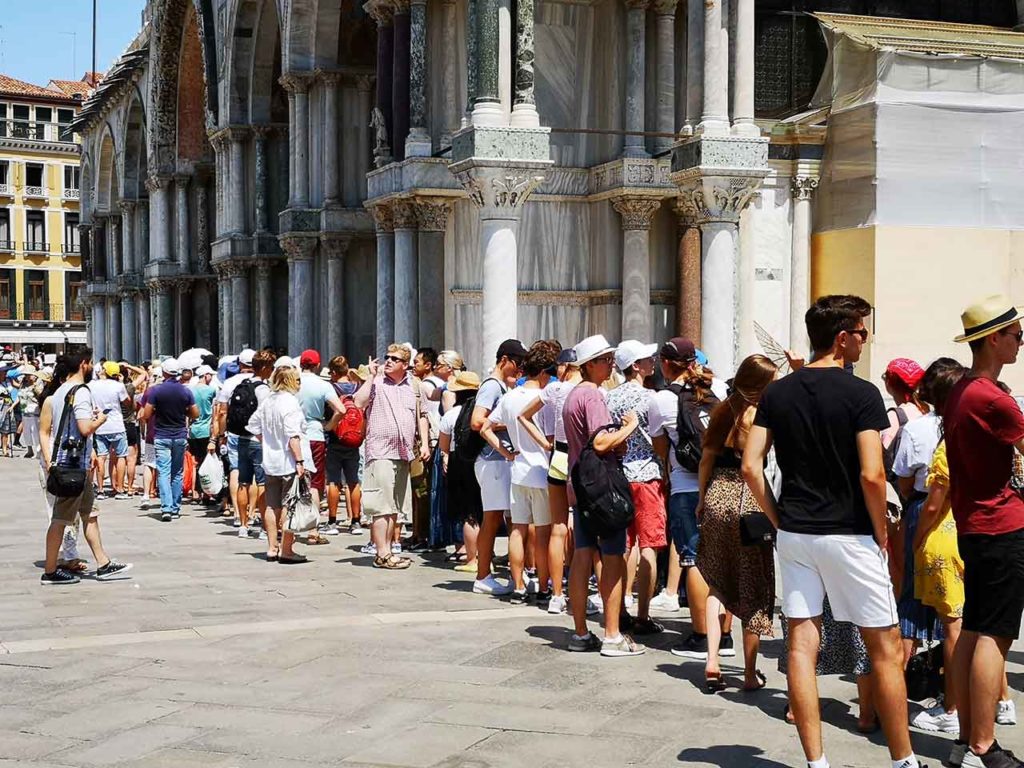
{"x":209,"y":656}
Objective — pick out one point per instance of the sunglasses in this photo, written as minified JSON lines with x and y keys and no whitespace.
{"x":394,"y":359}
{"x":1018,"y":335}
{"x":861,"y":332}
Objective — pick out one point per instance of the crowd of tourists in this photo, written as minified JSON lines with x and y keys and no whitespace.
{"x":613,"y":469}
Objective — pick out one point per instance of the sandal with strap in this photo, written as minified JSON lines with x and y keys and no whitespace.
{"x":761,"y":682}
{"x":391,"y":563}
{"x":713,"y":682}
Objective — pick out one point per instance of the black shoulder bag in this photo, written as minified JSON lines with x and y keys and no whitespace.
{"x":67,"y":481}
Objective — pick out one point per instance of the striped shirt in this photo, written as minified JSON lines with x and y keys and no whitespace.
{"x":391,"y":420}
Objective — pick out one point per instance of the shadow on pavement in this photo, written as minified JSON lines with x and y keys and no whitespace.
{"x":729,"y":756}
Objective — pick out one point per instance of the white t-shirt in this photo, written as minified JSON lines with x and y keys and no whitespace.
{"x":554,"y":396}
{"x":431,"y":407}
{"x":447,"y":426}
{"x":661,"y":417}
{"x":918,"y":442}
{"x":530,"y":468}
{"x":278,"y":419}
{"x":109,"y":394}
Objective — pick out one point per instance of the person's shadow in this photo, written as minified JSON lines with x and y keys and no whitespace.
{"x":729,"y":756}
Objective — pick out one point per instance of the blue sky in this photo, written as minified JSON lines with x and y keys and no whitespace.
{"x":36,"y":43}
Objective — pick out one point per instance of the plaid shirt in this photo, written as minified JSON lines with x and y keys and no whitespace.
{"x":391,"y":420}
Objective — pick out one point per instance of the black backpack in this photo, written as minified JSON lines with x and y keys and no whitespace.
{"x":603,"y":498}
{"x":691,"y":423}
{"x":243,"y":405}
{"x":468,"y":443}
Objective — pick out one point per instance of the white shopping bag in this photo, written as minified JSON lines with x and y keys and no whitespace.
{"x":211,"y":475}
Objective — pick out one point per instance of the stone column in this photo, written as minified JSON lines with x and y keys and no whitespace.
{"x":382,"y":116}
{"x":114,"y":227}
{"x":332,"y":136}
{"x":800,"y":265}
{"x":636,"y":26}
{"x":688,"y":275}
{"x":407,"y":301}
{"x":129,"y":328}
{"x":98,"y":250}
{"x":449,"y":69}
{"x":236,"y":191}
{"x":471,"y":62}
{"x":505,"y":24}
{"x":300,"y":250}
{"x":163,"y":314}
{"x":715,"y":117}
{"x":264,"y":310}
{"x":418,"y":143}
{"x":364,"y":87}
{"x":99,"y":328}
{"x":500,"y":193}
{"x":637,"y":214}
{"x":128,"y":252}
{"x":145,"y":327}
{"x":184,"y":236}
{"x":144,"y":253}
{"x":1020,"y":15}
{"x":400,"y":80}
{"x":665,"y":24}
{"x":183,"y":320}
{"x":241,"y":310}
{"x":224,"y":308}
{"x":524,"y":107}
{"x":385,"y":225}
{"x":159,"y":217}
{"x":113,"y":328}
{"x":260,"y":133}
{"x":743,"y":85}
{"x":202,"y":225}
{"x":487,"y":102}
{"x":334,"y":247}
{"x":432,"y":215}
{"x":297,"y":85}
{"x":85,"y":242}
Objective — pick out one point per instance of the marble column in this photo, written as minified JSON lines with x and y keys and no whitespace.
{"x":432,"y":216}
{"x":331,"y":138}
{"x":385,"y":225}
{"x":159,"y":217}
{"x":113,"y":328}
{"x":665,"y":57}
{"x":99,"y":328}
{"x":450,"y":106}
{"x":636,"y":31}
{"x":400,"y":79}
{"x":743,"y":84}
{"x":184,"y":235}
{"x":202,"y":312}
{"x":183,"y":319}
{"x":688,"y":276}
{"x":297,"y":86}
{"x":719,"y":295}
{"x":334,"y":247}
{"x":487,"y":101}
{"x":128,"y":253}
{"x":300,"y":250}
{"x":236,"y":189}
{"x":715,"y":116}
{"x":163,"y":314}
{"x":803,"y":188}
{"x":114,"y":227}
{"x":382,"y":117}
{"x":364,"y":90}
{"x":129,"y":328}
{"x":222,"y":169}
{"x":637,"y":214}
{"x":241,"y":311}
{"x":142,"y":226}
{"x":524,"y":106}
{"x":98,"y":249}
{"x":264,"y":304}
{"x":505,"y":24}
{"x":407,"y":301}
{"x":471,"y":62}
{"x":202,"y":243}
{"x":418,"y":143}
{"x":224,"y":308}
{"x":260,"y":133}
{"x":145,"y":327}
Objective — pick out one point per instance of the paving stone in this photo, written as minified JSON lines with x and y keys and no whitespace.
{"x":29,"y":746}
{"x":421,"y":746}
{"x":130,"y":744}
{"x":113,"y":716}
{"x":245,"y":719}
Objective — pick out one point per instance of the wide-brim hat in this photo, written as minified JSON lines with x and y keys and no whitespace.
{"x":591,"y":347}
{"x":987,"y":316}
{"x":464,"y":380}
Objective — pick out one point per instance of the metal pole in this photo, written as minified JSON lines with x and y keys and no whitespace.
{"x":93,"y":70}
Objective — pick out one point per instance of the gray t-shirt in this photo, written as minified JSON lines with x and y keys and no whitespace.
{"x":83,"y":408}
{"x":487,"y":396}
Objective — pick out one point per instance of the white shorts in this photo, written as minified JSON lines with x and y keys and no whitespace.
{"x":851,"y":570}
{"x":530,"y":505}
{"x":495,"y":479}
{"x":149,"y":455}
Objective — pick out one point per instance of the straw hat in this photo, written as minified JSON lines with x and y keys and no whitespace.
{"x":464,"y":380}
{"x":363,"y":372}
{"x":987,"y":316}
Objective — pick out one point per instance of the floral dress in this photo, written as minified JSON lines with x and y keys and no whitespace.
{"x":938,"y":568}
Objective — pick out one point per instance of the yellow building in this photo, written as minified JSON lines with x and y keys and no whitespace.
{"x":40,"y":257}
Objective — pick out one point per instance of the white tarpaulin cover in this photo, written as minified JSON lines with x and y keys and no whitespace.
{"x":920,"y":139}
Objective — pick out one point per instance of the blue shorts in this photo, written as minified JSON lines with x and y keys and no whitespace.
{"x":682,"y":525}
{"x":245,"y":454}
{"x":584,"y":539}
{"x":116,"y":442}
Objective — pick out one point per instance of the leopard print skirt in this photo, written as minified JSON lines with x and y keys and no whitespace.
{"x":744,"y":577}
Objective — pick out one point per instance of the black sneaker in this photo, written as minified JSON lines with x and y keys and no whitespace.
{"x":693,"y":647}
{"x":112,"y":570}
{"x":58,"y":578}
{"x":726,"y":648}
{"x":626,"y":622}
{"x":165,"y":516}
{"x":995,"y":757}
{"x":518,"y":598}
{"x":543,"y":598}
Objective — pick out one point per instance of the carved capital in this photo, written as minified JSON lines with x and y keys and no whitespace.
{"x":640,"y":5}
{"x":405,"y":214}
{"x":261,"y":132}
{"x":717,"y":198}
{"x":432,"y":214}
{"x":229,"y":269}
{"x":400,"y":6}
{"x":636,"y":212}
{"x":298,"y":247}
{"x":664,"y":7}
{"x":157,"y":181}
{"x":237,"y":133}
{"x":383,"y":218}
{"x":381,"y":11}
{"x":329,"y":77}
{"x":296,"y":82}
{"x":182,"y":284}
{"x":159,"y":287}
{"x":499,"y":191}
{"x":804,"y":187}
{"x":127,"y":207}
{"x":364,"y":83}
{"x":334,"y":245}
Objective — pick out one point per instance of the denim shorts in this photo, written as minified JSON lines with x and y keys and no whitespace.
{"x":609,"y":545}
{"x":116,"y":442}
{"x":245,"y":454}
{"x":682,"y":525}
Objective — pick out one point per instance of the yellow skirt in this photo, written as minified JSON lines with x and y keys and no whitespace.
{"x":939,"y":571}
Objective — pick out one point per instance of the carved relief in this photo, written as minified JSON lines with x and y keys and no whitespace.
{"x":405,"y":214}
{"x":334,"y":246}
{"x":297,"y":247}
{"x":512,"y":189}
{"x":804,"y":187}
{"x":383,"y":218}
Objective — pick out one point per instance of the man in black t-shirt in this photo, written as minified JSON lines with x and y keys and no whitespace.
{"x":825,"y":425}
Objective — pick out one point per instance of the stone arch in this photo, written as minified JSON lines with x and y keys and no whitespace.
{"x":135,"y":160}
{"x":254,"y":93}
{"x":311,"y":34}
{"x":191,"y":144}
{"x":107,"y":186}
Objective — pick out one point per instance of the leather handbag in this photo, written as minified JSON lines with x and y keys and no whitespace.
{"x":756,"y":529}
{"x":66,"y":481}
{"x":925,"y":675}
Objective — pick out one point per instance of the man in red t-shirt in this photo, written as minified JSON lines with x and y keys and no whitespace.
{"x":983,"y":425}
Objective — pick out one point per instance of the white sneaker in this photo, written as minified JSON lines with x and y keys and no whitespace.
{"x":491,"y":586}
{"x":630,"y":602}
{"x":236,"y":522}
{"x":941,"y":721}
{"x":663,"y":601}
{"x":263,"y":535}
{"x":557,"y":604}
{"x":594,"y":605}
{"x":243,"y":532}
{"x":396,"y":548}
{"x":369,"y":549}
{"x":1007,"y":713}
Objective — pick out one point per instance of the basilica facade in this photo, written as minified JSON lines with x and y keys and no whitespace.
{"x":320,"y":173}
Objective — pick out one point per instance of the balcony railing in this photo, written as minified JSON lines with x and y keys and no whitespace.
{"x":7,"y":245}
{"x":35,"y":247}
{"x":34,"y":130}
{"x":70,"y":194}
{"x":41,"y":312}
{"x":36,"y":192}
{"x":71,"y":248}
{"x":6,"y":189}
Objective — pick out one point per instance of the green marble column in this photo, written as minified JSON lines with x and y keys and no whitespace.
{"x":486,"y":51}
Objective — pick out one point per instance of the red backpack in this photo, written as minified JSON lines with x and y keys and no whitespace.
{"x":351,"y":430}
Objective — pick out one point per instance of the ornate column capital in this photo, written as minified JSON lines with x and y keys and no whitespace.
{"x":298,"y":247}
{"x":717,"y":198}
{"x":329,"y":76}
{"x":381,"y":11}
{"x":229,"y":269}
{"x":261,"y":131}
{"x":157,"y":181}
{"x":637,"y":211}
{"x":664,"y":7}
{"x":804,"y":187}
{"x":296,"y":82}
{"x":501,"y":192}
{"x":383,"y":217}
{"x":638,"y":5}
{"x":237,"y":132}
{"x":182,"y":180}
{"x":400,"y":6}
{"x":432,"y":213}
{"x":365,"y":83}
{"x":334,"y":245}
{"x":182,"y":284}
{"x":263,"y":268}
{"x":159,"y":287}
{"x":405,"y":214}
{"x":127,"y":207}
